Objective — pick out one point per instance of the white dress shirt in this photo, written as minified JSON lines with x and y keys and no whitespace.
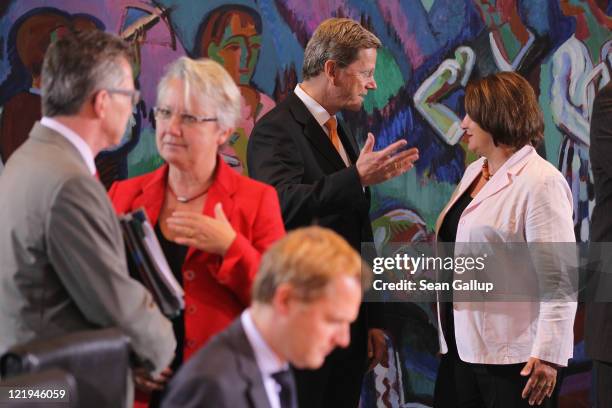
{"x":321,"y":116}
{"x":267,"y":361}
{"x":75,"y":139}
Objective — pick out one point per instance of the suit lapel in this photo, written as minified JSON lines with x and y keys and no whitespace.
{"x":494,"y":186}
{"x":503,"y":178}
{"x":314,"y":132}
{"x":247,"y":365}
{"x":352,"y":150}
{"x":153,"y":193}
{"x":348,"y":141}
{"x":467,"y":180}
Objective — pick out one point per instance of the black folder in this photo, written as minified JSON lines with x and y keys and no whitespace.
{"x":148,"y":264}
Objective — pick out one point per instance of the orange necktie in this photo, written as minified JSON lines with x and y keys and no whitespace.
{"x":333,"y":132}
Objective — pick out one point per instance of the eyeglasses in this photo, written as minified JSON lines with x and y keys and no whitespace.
{"x":186,"y":119}
{"x":133,"y":94}
{"x":364,"y":75}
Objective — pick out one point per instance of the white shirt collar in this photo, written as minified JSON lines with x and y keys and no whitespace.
{"x":76,"y":140}
{"x":321,"y":116}
{"x":315,"y":109}
{"x":266,"y":359}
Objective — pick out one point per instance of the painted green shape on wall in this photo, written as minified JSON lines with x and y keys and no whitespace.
{"x":144,"y":158}
{"x":427,"y":4}
{"x":427,"y":197}
{"x":552,"y":136}
{"x":388,"y":78}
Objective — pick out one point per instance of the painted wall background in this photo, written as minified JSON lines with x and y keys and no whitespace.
{"x":431,"y":49}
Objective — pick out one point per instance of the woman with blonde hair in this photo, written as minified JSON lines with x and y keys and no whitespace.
{"x":213,"y":224}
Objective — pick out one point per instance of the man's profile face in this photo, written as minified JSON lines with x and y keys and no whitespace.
{"x":354,"y":81}
{"x":121,"y":106}
{"x":320,"y":325}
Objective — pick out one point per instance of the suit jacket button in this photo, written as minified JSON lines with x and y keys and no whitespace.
{"x":191,"y":309}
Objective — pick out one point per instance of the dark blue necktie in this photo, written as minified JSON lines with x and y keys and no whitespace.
{"x":284,"y":378}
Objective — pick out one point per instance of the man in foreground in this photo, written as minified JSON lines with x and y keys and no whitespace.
{"x":306,"y":294}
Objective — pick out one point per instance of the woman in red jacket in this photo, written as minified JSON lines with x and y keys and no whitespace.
{"x":213,"y":224}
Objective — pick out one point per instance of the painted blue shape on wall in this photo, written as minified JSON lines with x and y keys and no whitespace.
{"x":132,"y":15}
{"x":280,"y":48}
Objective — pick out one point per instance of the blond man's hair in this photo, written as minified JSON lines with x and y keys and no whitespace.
{"x":337,"y":39}
{"x":307,"y":259}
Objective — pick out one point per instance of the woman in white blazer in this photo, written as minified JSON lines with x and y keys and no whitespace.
{"x":504,"y":354}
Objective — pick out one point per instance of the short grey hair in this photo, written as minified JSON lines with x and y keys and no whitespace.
{"x":210,"y":84}
{"x":77,"y":65}
{"x":337,"y":39}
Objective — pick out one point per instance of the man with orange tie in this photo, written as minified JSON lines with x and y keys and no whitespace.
{"x":303,"y":150}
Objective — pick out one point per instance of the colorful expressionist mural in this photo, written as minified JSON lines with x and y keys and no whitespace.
{"x":432,"y":48}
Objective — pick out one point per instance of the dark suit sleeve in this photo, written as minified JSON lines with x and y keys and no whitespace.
{"x":196,"y":392}
{"x":598,"y":326}
{"x":86,"y":250}
{"x":275,"y":158}
{"x":601,"y":131}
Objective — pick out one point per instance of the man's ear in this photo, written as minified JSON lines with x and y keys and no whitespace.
{"x":99,"y":102}
{"x":284,"y":296}
{"x":331,"y":70}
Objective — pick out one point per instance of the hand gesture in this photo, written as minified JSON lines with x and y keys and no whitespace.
{"x":213,"y":235}
{"x":146,"y":383}
{"x":376,"y":167}
{"x":377,"y":349}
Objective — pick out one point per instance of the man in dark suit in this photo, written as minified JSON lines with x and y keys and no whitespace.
{"x":306,"y":294}
{"x":598,"y":330}
{"x":310,"y":157}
